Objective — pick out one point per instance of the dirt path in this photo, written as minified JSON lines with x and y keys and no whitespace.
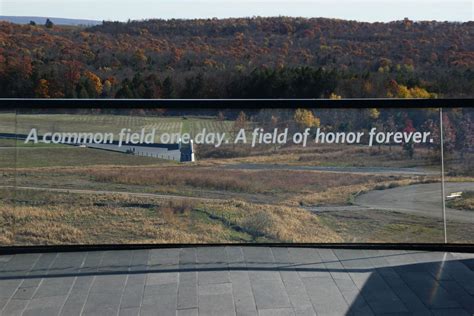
{"x":99,"y":192}
{"x":370,"y":170}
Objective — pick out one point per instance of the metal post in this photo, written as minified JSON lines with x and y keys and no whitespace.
{"x":443,"y":193}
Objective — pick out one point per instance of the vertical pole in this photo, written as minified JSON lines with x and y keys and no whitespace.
{"x":443,"y":193}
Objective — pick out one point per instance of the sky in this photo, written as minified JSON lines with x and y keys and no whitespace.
{"x":360,"y":10}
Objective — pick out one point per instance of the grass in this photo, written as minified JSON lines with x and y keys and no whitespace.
{"x":465,"y":202}
{"x":109,"y":123}
{"x":284,"y":187}
{"x":392,"y":227}
{"x":248,"y":181}
{"x":254,"y":205}
{"x":42,"y":218}
{"x":57,"y":156}
{"x":325,"y":155}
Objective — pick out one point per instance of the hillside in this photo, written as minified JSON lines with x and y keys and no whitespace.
{"x":247,"y":57}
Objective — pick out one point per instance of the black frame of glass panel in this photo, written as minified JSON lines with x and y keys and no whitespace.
{"x":29,"y":104}
{"x":13,"y":104}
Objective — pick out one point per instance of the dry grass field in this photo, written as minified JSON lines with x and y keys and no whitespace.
{"x":62,"y":218}
{"x":110,"y":197}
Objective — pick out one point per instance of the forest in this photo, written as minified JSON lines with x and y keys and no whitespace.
{"x":256,"y":57}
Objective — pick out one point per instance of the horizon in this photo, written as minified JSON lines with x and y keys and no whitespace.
{"x":52,"y":18}
{"x":362,"y":11}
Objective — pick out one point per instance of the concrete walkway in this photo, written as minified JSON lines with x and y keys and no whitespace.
{"x":418,"y":199}
{"x":237,"y":281}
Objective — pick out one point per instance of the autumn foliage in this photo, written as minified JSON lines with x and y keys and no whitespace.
{"x":244,"y":57}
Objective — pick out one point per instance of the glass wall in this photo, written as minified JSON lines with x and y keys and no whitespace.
{"x":123,"y":176}
{"x":8,"y":157}
{"x":458,"y":139}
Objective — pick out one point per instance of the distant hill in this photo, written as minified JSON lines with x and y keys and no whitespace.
{"x":277,"y":57}
{"x":42,"y":20}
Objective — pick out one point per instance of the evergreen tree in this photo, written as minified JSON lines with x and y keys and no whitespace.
{"x":49,"y":24}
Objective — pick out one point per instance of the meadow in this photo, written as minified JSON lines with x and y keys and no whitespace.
{"x":74,"y":195}
{"x":32,"y":217}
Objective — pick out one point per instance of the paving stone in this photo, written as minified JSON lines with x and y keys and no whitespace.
{"x":291,"y":280}
{"x":241,"y":288}
{"x":212,"y":265}
{"x":462,"y":274}
{"x":459,"y":294}
{"x":187,"y":312}
{"x":270,"y":294}
{"x":332,"y":264}
{"x":162,"y":278}
{"x":25,"y":293}
{"x":215,"y":299}
{"x":304,"y":310}
{"x":450,"y":312}
{"x":216,"y":304}
{"x":187,"y":286}
{"x":163,"y":259}
{"x":130,"y":311}
{"x":308,"y":263}
{"x":234,"y":255}
{"x":276,"y":312}
{"x":5,"y":258}
{"x":351,"y":294}
{"x":3,"y":302}
{"x":45,"y":306}
{"x":133,"y":292}
{"x":240,"y":312}
{"x":376,"y":292}
{"x":160,"y":298}
{"x":160,"y":289}
{"x":92,"y":261}
{"x":9,"y":287}
{"x":68,"y":262}
{"x":139,"y":260}
{"x":83,"y":282}
{"x":325,"y":296}
{"x":112,"y":284}
{"x":74,"y":304}
{"x":19,"y":265}
{"x":406,"y":295}
{"x":54,"y":287}
{"x":102,"y":304}
{"x":187,"y":290}
{"x":14,"y":307}
{"x":428,"y":290}
{"x":116,"y":261}
{"x":237,"y":281}
{"x":260,"y":267}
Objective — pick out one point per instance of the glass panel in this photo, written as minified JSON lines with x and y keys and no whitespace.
{"x":392,"y":189}
{"x":7,"y":176}
{"x":273,"y":175}
{"x":458,"y":127}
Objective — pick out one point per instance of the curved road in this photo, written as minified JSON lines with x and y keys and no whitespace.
{"x":418,"y":199}
{"x":369,"y":170}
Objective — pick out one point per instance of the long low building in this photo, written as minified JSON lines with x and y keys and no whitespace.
{"x":176,"y":152}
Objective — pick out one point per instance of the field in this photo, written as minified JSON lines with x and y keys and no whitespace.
{"x":62,"y":218}
{"x":71,"y":195}
{"x":108,"y":123}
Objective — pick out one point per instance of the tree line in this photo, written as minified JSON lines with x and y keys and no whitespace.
{"x":244,"y":58}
